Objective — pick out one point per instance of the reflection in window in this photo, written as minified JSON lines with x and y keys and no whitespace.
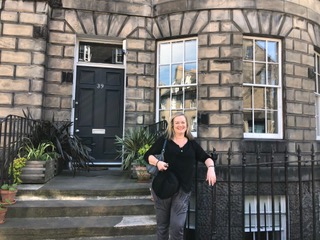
{"x":177,"y":79}
{"x":100,"y":53}
{"x":261,"y":88}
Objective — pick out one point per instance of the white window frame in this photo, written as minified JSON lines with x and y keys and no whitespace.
{"x":193,"y":105}
{"x":267,"y":201}
{"x":317,"y":93}
{"x":279,"y":134}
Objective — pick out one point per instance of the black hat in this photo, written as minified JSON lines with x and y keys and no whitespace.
{"x":165,"y":184}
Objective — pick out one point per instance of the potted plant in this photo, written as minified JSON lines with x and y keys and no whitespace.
{"x":8,"y":193}
{"x":72,"y":152}
{"x":16,"y":170}
{"x":3,"y":212}
{"x":140,"y":164}
{"x":40,"y":164}
{"x":129,"y":145}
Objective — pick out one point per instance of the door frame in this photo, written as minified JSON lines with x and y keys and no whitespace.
{"x":98,"y":65}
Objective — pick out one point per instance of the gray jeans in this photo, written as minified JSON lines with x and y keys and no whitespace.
{"x":171,"y":215}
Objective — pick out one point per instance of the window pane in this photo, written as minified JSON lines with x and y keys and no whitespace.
{"x":176,"y":98}
{"x":247,"y":121}
{"x":260,"y":51}
{"x":190,"y":73}
{"x":164,"y":75}
{"x":177,"y":79}
{"x":190,"y":50}
{"x":177,"y":52}
{"x":273,"y":52}
{"x":272,"y":102}
{"x":247,"y":97}
{"x":273,"y":74}
{"x":260,"y":73}
{"x":165,"y":53}
{"x":164,"y":115}
{"x":190,"y":97}
{"x":100,"y":53}
{"x":272,"y":122}
{"x":259,"y":122}
{"x":176,"y":74}
{"x":247,"y":72}
{"x":258,"y":98}
{"x":164,"y":99}
{"x":248,"y":49}
{"x":192,"y":119}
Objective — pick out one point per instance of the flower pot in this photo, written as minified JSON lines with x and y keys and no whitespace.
{"x":3,"y":212}
{"x":8,"y":197}
{"x":38,"y":171}
{"x":142,"y":174}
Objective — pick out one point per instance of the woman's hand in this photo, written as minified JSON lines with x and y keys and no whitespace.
{"x":162,"y":166}
{"x":211,"y":176}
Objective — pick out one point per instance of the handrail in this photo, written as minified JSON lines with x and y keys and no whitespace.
{"x":157,"y":128}
{"x":13,"y":129}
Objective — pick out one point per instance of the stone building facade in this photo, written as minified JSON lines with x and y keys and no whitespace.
{"x":267,"y":50}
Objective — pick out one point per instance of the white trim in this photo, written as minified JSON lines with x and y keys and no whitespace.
{"x":170,"y":85}
{"x":278,"y":135}
{"x":317,"y":94}
{"x":100,"y":65}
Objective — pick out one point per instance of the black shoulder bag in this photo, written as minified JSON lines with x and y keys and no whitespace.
{"x":153,"y":170}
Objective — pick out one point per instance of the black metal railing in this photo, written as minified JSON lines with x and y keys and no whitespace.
{"x":277,"y":198}
{"x":158,"y":128}
{"x":13,"y":129}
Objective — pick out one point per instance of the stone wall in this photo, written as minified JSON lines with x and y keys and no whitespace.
{"x":34,"y":61}
{"x":22,"y":56}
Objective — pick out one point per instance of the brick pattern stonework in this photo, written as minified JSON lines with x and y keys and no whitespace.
{"x":32,"y":67}
{"x":38,"y":45}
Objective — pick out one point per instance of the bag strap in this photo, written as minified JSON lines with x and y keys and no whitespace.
{"x":164,"y":146}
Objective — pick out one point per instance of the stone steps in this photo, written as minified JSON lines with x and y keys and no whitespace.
{"x":80,"y":214}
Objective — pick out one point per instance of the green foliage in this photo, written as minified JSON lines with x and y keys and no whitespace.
{"x":12,"y":187}
{"x":18,"y":164}
{"x":129,"y":145}
{"x":140,"y":160}
{"x":70,"y":147}
{"x":42,"y":152}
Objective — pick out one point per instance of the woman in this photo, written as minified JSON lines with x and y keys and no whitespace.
{"x":181,"y":152}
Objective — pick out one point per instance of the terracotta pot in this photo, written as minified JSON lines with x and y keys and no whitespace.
{"x":142,"y":174}
{"x":8,"y":196}
{"x":3,"y":212}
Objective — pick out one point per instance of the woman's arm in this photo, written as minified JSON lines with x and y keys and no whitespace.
{"x":156,"y":148}
{"x":211,"y":174}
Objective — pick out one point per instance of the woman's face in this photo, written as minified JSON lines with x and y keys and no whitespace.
{"x":179,"y":125}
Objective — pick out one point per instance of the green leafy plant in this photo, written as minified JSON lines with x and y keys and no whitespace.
{"x":18,"y":164}
{"x":140,"y":160}
{"x":42,"y":152}
{"x":129,"y":145}
{"x":12,"y":187}
{"x":70,"y":147}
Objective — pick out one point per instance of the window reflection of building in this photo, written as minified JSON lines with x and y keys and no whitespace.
{"x":260,"y":91}
{"x":177,"y":79}
{"x":100,"y":53}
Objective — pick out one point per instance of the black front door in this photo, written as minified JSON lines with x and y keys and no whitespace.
{"x":99,"y":106}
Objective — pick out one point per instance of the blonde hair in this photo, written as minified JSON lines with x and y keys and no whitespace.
{"x":170,"y":131}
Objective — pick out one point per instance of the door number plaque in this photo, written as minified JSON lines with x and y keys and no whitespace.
{"x":98,"y":131}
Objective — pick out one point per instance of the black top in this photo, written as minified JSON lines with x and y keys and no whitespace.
{"x":181,"y":160}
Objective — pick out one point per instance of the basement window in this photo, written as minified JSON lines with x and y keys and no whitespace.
{"x":265,"y":219}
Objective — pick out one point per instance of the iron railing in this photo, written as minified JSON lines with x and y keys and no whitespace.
{"x":157,"y":128}
{"x":13,"y":129}
{"x":258,"y":199}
